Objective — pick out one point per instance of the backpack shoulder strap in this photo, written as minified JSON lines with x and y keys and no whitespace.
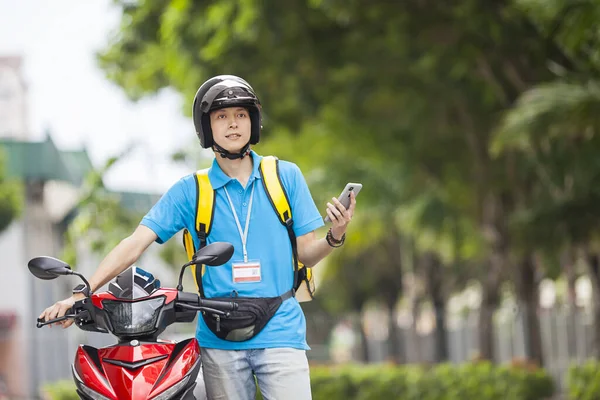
{"x":203,"y":220}
{"x":271,"y":180}
{"x":204,"y":206}
{"x":205,"y":202}
{"x":269,"y":171}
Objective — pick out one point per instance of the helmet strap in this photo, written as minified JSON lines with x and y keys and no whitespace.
{"x":232,"y":156}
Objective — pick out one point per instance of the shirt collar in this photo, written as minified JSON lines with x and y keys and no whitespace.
{"x":218,"y":178}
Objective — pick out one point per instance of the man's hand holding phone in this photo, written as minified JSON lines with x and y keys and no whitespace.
{"x":340,"y":210}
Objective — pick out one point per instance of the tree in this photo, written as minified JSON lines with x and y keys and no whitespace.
{"x":11,"y":197}
{"x":100,"y":220}
{"x":551,"y":132}
{"x":553,"y":127}
{"x":414,"y":89}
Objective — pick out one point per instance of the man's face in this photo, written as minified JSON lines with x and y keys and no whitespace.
{"x":231,"y":128}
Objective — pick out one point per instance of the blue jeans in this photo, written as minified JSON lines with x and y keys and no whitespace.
{"x":281,"y":373}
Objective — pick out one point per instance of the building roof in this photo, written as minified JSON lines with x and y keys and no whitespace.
{"x":43,"y":161}
{"x":77,"y":163}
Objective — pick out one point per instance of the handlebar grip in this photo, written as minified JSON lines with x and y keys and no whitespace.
{"x":189,"y":298}
{"x":219,"y":304}
{"x":195,"y":300}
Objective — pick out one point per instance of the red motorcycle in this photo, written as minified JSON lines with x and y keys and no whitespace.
{"x":137,"y":310}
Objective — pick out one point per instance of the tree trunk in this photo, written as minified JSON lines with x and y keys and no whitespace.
{"x":434,"y":277}
{"x":392,"y":288}
{"x":490,"y":300}
{"x":495,"y":233}
{"x":528,"y":296}
{"x":486,"y":329}
{"x":415,"y":344}
{"x":568,"y":264}
{"x":489,"y":304}
{"x":364,"y":345}
{"x":394,"y":343}
{"x":594,"y":271}
{"x":441,"y":344}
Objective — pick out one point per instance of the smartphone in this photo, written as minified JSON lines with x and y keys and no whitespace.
{"x":344,"y":197}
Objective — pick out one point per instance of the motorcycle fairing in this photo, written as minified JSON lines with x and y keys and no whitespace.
{"x":137,"y":372}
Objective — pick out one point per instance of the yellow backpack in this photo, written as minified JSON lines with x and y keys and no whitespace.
{"x":304,"y":283}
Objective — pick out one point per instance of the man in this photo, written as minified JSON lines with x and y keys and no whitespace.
{"x":227,"y":117}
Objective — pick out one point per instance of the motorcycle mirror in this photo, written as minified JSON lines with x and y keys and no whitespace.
{"x":48,"y":267}
{"x":214,"y":254}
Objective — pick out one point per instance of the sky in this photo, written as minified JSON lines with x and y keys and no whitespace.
{"x":69,"y":95}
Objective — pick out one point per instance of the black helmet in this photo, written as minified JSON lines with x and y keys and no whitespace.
{"x":220,"y":92}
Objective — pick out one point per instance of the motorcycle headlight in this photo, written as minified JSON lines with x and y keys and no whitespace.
{"x":133,"y":318}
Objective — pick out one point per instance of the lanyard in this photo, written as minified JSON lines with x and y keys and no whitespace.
{"x":244,"y":234}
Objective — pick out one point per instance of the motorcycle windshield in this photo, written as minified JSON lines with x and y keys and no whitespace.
{"x":134,"y":283}
{"x":133,"y":318}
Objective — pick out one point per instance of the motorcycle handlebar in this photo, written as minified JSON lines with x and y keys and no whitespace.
{"x":190,"y":301}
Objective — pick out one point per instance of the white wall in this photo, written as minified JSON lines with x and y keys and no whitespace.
{"x":13,"y":100}
{"x":14,"y":298}
{"x":13,"y":270}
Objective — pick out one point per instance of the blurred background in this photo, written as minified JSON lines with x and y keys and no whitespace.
{"x":471,"y":269}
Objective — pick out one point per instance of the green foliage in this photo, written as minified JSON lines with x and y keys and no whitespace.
{"x":364,"y":91}
{"x":101,"y":222}
{"x":555,"y":127}
{"x":443,"y":382}
{"x":61,"y":390}
{"x":349,"y":280}
{"x":351,"y":91}
{"x":472,"y":127}
{"x":583,"y":381}
{"x":11,"y":197}
{"x":173,"y":253}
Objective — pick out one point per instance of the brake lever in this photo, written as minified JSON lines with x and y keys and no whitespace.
{"x":202,"y":308}
{"x":42,"y":323}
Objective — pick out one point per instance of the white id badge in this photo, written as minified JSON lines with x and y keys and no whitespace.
{"x":245,"y":272}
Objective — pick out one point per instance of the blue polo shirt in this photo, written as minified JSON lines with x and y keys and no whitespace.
{"x":268,"y":242}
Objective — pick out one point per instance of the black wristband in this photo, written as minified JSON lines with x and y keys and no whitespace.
{"x":333,"y":242}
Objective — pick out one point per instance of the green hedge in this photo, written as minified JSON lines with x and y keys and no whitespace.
{"x":61,"y":390}
{"x":583,"y":381}
{"x":481,"y":381}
